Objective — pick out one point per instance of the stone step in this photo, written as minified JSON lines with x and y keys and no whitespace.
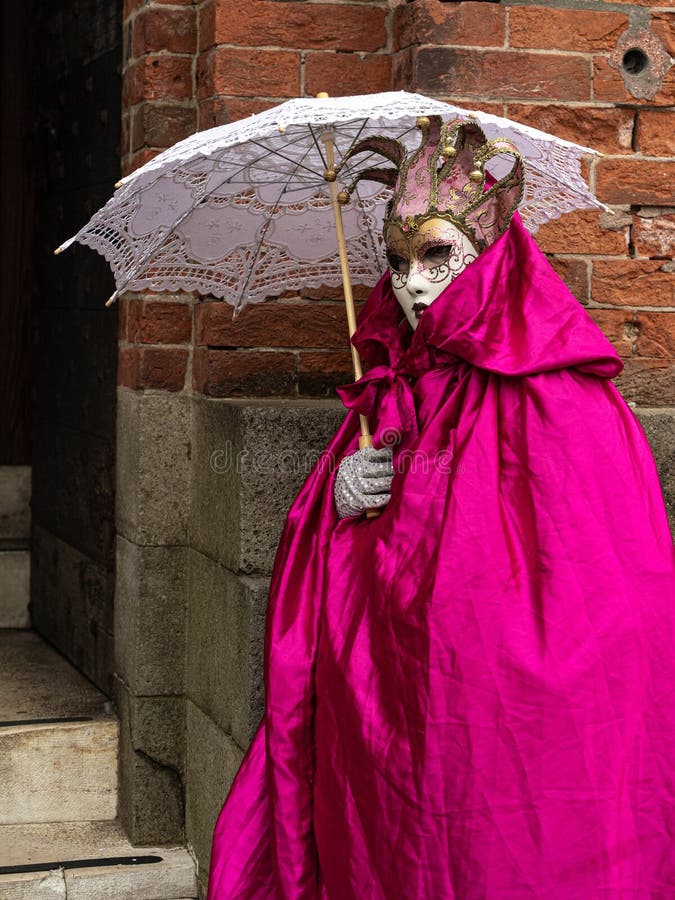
{"x":14,"y":587}
{"x":57,"y":852}
{"x":58,"y":738}
{"x":15,"y":490}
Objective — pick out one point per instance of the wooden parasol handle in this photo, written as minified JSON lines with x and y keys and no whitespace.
{"x":365,"y":440}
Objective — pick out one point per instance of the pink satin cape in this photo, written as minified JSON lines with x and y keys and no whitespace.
{"x":472,"y":696}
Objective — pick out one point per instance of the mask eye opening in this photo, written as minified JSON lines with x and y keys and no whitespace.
{"x":437,"y":255}
{"x":397,"y":263}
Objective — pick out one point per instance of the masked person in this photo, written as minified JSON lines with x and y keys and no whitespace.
{"x":471,"y":695}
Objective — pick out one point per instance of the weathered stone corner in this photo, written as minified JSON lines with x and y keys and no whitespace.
{"x":659,"y":426}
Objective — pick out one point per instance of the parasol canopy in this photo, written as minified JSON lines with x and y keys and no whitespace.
{"x":243,"y":211}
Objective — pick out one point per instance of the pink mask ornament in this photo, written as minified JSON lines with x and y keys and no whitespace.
{"x":440,"y":217}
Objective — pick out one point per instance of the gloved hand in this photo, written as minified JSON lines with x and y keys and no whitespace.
{"x":363,"y":481}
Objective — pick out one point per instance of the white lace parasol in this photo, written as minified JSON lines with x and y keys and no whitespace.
{"x":243,"y":212}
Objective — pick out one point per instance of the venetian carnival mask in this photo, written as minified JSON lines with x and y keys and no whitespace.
{"x":424,"y":262}
{"x":441,"y":217}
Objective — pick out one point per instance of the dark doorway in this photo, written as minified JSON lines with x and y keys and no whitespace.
{"x":16,"y":226}
{"x":62,"y":80}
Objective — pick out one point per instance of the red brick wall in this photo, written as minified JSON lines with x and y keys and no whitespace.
{"x":196,"y":66}
{"x":193,"y":66}
{"x":555,"y":67}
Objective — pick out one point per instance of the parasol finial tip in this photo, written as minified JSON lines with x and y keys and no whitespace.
{"x":111,"y":299}
{"x":322,"y":95}
{"x":118,"y":184}
{"x":58,"y":250}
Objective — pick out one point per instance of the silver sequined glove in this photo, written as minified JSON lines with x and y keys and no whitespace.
{"x":363,"y":481}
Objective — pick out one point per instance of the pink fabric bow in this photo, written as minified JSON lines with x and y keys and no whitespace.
{"x":388,"y":394}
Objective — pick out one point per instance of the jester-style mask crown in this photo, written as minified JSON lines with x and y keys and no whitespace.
{"x":445,"y":178}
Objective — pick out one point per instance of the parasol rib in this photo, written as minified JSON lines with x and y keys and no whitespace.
{"x":164,"y":237}
{"x":263,"y":232}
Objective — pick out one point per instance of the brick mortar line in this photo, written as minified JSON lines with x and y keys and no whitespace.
{"x":158,"y":4}
{"x":272,"y":48}
{"x":588,"y":279}
{"x":575,"y":104}
{"x":189,"y":369}
{"x":389,"y":28}
{"x":589,"y":257}
{"x":295,"y":350}
{"x":488,"y":48}
{"x":592,"y":90}
{"x":275,"y":100}
{"x":553,"y":101}
{"x":609,"y":7}
{"x":591,"y":176}
{"x":497,"y":48}
{"x":162,"y":54}
{"x":633,"y":310}
{"x":378,"y":4}
{"x":169,"y":101}
{"x":600,"y":104}
{"x":126,"y":343}
{"x":152,"y":392}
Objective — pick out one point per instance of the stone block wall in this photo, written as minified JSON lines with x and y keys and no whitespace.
{"x":153,"y":508}
{"x":249,"y":459}
{"x":203,"y":489}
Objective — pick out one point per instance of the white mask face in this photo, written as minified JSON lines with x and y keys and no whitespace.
{"x":424,"y":262}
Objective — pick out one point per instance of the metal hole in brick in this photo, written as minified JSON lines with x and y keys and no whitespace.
{"x":634,"y":61}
